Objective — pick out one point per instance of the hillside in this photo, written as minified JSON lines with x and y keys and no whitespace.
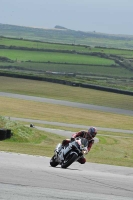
{"x":60,"y":34}
{"x":69,"y":64}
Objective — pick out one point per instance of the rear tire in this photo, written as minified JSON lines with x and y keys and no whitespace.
{"x":53,"y":162}
{"x":68,"y":162}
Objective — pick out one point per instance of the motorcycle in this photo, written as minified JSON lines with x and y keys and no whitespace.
{"x":70,"y":153}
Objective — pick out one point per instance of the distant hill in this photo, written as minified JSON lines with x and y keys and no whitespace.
{"x":60,"y":27}
{"x":60,"y":34}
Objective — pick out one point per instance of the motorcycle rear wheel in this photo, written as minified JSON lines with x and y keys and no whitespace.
{"x":69,"y":161}
{"x":53,"y":162}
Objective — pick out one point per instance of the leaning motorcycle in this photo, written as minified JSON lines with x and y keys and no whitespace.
{"x":71,"y":152}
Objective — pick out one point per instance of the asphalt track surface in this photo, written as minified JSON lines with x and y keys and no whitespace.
{"x":67,"y":103}
{"x":31,"y":177}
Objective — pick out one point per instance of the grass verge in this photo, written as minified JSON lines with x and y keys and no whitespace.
{"x":57,"y":113}
{"x":63,"y":92}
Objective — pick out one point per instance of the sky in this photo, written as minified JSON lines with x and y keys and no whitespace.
{"x":104,"y":16}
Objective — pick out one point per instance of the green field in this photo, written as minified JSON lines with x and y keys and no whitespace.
{"x":37,"y":56}
{"x":78,"y":48}
{"x":107,"y":67}
{"x":71,"y":68}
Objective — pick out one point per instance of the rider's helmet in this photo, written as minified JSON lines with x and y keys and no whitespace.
{"x":92,"y":131}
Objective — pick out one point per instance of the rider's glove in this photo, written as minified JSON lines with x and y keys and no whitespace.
{"x":85,"y":152}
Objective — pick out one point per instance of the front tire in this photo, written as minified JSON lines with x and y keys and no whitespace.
{"x":69,"y":161}
{"x":53,"y":162}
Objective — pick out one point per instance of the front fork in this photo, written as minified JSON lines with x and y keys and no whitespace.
{"x":58,"y":148}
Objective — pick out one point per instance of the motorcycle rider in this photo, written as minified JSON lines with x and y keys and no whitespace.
{"x":89,"y":135}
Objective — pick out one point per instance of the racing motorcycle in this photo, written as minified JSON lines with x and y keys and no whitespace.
{"x":70,"y":153}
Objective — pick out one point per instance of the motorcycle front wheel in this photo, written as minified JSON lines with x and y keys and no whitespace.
{"x":53,"y":162}
{"x":68,"y":161}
